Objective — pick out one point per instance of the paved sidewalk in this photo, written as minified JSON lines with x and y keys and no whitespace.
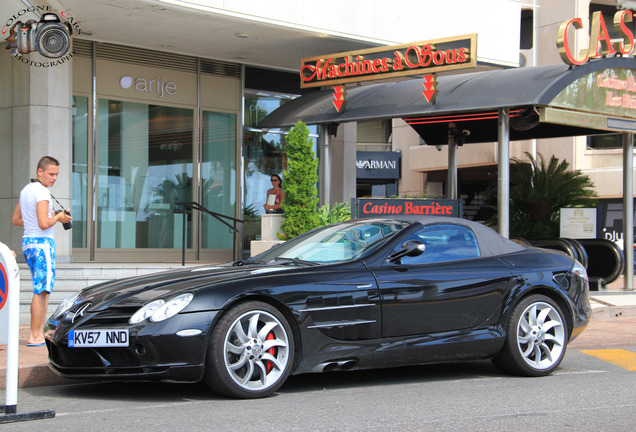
{"x":613,"y":324}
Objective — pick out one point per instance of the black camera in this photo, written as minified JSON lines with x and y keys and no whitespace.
{"x":67,"y":225}
{"x":49,"y":36}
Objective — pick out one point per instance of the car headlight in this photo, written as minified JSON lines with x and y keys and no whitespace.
{"x":172,"y":307}
{"x":146,"y":312}
{"x":579,"y":270}
{"x":159,"y":310}
{"x":66,"y":305}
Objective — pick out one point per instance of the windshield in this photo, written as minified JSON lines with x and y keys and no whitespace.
{"x":334,"y":243}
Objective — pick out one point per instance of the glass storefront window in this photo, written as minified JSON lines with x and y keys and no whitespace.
{"x":145,"y":157}
{"x":605,"y":141}
{"x":80,"y":170}
{"x":263,"y":156}
{"x":218,"y":176}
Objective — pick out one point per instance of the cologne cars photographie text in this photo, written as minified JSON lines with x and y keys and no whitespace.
{"x":362,"y":294}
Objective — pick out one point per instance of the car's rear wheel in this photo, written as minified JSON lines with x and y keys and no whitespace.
{"x":536,"y":338}
{"x":251,"y":351}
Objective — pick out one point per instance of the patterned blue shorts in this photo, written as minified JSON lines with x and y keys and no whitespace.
{"x":40,"y":256}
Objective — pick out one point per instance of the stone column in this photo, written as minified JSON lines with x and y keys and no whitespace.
{"x":343,"y":167}
{"x":35,"y":121}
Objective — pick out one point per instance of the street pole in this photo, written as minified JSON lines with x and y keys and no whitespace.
{"x":503,"y":173}
{"x":628,"y":210}
{"x":451,"y":193}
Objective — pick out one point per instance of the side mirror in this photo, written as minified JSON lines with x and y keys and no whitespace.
{"x":410,"y":248}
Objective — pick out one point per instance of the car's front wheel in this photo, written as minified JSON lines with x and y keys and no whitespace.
{"x":536,"y":338}
{"x":251,"y":351}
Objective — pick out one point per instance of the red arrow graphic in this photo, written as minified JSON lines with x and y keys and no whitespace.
{"x":430,"y":86}
{"x":340,"y":97}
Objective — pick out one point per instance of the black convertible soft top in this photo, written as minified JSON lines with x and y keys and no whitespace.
{"x":490,"y":242}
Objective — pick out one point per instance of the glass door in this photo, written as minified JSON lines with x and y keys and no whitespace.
{"x":145,"y":158}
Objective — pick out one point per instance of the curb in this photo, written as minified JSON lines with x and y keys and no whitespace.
{"x":34,"y":376}
{"x":609,"y":311}
{"x":613,"y":304}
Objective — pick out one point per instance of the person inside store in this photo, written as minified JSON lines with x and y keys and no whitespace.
{"x":35,"y":212}
{"x":275,"y":195}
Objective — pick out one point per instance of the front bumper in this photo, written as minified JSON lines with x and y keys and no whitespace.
{"x":155,"y":351}
{"x":580,"y":296}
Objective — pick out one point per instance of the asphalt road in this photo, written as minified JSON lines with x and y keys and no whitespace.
{"x":585,"y":394}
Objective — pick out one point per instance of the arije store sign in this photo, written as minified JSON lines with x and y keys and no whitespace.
{"x":155,"y":85}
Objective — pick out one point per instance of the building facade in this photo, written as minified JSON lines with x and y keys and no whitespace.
{"x":158,"y":105}
{"x":599,"y":157}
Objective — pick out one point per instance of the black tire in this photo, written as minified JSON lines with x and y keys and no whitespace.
{"x":251,"y":352}
{"x":536,"y":338}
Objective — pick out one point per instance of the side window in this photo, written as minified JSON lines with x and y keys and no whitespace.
{"x":443,"y":243}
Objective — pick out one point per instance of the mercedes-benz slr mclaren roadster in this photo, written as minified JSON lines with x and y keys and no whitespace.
{"x":363,"y":294}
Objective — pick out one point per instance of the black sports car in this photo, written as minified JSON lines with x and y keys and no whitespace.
{"x":361,"y":294}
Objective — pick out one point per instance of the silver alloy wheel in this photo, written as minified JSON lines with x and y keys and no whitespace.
{"x":256,"y":350}
{"x":541,"y":335}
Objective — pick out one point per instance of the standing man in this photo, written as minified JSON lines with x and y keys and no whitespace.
{"x":35,"y":213}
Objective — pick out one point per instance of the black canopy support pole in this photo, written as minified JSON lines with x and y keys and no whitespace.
{"x":503,"y":173}
{"x":628,"y":209}
{"x":325,"y":165}
{"x":451,"y":191}
{"x":183,"y":236}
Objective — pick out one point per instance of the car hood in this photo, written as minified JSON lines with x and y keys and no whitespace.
{"x":139,"y":290}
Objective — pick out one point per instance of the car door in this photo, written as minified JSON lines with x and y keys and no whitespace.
{"x":448,"y":287}
{"x":343,"y":304}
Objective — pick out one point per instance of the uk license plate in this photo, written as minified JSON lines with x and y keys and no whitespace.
{"x":96,"y":338}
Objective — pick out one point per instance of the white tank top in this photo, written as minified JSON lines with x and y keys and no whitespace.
{"x":30,"y":195}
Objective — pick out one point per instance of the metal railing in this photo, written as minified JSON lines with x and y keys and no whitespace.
{"x":192,"y":205}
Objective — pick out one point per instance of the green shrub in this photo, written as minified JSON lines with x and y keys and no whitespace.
{"x":299,"y":184}
{"x":333,"y":213}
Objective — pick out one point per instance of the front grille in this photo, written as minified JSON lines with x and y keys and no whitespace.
{"x":113,"y":316}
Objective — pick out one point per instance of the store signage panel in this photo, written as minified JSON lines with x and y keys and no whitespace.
{"x":388,"y":62}
{"x":573,"y":118}
{"x":609,"y":91}
{"x":578,"y":223}
{"x":378,"y":165}
{"x":610,"y":221}
{"x":158,"y":85}
{"x":373,"y":207}
{"x":121,"y":80}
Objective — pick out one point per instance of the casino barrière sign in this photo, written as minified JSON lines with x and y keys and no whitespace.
{"x":373,"y":207}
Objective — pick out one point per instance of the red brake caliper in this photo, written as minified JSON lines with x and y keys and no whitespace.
{"x":268,"y":365}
